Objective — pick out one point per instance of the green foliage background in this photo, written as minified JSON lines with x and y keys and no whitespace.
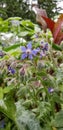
{"x":12,"y":8}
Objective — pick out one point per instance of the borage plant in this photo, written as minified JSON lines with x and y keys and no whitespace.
{"x":31,"y":82}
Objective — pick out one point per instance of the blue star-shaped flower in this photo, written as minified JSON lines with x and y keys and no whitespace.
{"x":28,"y":51}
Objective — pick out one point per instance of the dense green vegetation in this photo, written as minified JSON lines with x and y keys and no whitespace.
{"x":31,"y":77}
{"x":31,"y":70}
{"x":12,"y":8}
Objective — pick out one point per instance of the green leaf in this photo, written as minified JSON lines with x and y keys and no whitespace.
{"x":7,"y":89}
{"x":26,"y":118}
{"x":58,"y":121}
{"x":14,"y":18}
{"x":1,"y":93}
{"x":12,"y":47}
{"x":56,"y":47}
{"x":8,"y":108}
{"x":27,"y":23}
{"x":23,"y":33}
{"x":8,"y":127}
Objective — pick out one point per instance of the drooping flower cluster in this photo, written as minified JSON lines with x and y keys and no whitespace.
{"x":11,"y":70}
{"x":44,"y":48}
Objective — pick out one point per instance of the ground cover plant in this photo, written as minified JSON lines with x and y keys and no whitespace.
{"x":31,"y":77}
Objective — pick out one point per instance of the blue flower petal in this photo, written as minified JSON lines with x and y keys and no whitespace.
{"x":11,"y":70}
{"x":35,"y":51}
{"x":42,"y":42}
{"x":45,"y":48}
{"x":38,"y":49}
{"x":29,"y":45}
{"x":30,"y":56}
{"x":50,"y":90}
{"x":23,"y":56}
{"x":42,"y":53}
{"x":23,"y":48}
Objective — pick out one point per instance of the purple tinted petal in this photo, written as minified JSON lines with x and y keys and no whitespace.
{"x":30,"y":57}
{"x":23,"y":56}
{"x":45,"y":48}
{"x":12,"y":71}
{"x":35,"y":51}
{"x":42,"y":42}
{"x":9,"y":68}
{"x":50,"y":90}
{"x":38,"y":49}
{"x":42,"y":54}
{"x":29,"y":45}
{"x":23,"y":48}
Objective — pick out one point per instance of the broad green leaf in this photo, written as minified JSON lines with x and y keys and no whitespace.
{"x":7,"y":89}
{"x":14,"y":18}
{"x":56,"y":47}
{"x":24,"y":33}
{"x":58,"y":121}
{"x":8,"y":127}
{"x":12,"y":47}
{"x":8,"y":108}
{"x":27,"y":118}
{"x":27,"y":23}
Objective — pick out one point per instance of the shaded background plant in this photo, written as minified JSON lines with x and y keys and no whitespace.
{"x":20,"y":8}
